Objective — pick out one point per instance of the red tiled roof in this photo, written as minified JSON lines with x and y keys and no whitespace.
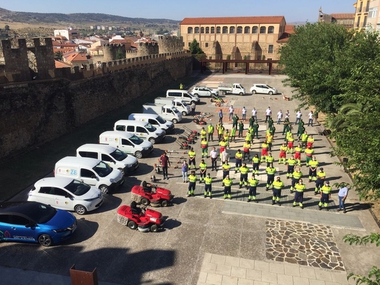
{"x":233,"y":20}
{"x":289,"y":29}
{"x":77,"y":56}
{"x":343,"y":15}
{"x":61,"y":64}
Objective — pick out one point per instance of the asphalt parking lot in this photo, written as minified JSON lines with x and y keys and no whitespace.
{"x":195,"y":226}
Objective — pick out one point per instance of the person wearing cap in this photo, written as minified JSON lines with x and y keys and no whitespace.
{"x":208,"y":186}
{"x":277,"y":187}
{"x":325,"y":195}
{"x":298,"y":196}
{"x":321,"y":177}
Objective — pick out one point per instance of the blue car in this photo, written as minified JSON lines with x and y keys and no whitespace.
{"x":35,"y":222}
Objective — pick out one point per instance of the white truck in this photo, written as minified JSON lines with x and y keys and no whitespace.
{"x":168,"y":112}
{"x":178,"y":103}
{"x":235,"y":89}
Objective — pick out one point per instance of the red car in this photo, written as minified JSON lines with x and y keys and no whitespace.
{"x":150,"y":194}
{"x":144,"y":220}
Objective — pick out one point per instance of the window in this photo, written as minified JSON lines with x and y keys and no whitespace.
{"x":202,"y":30}
{"x":88,"y":154}
{"x":206,"y":44}
{"x":239,"y":29}
{"x":18,"y":220}
{"x":232,"y":30}
{"x":218,"y":30}
{"x":126,"y":142}
{"x":87,"y":173}
{"x":254,"y":29}
{"x":120,"y":128}
{"x":263,"y":30}
{"x":46,"y":190}
{"x":270,"y":49}
{"x":106,"y":157}
{"x":130,"y":129}
{"x":60,"y":192}
{"x":189,"y":30}
{"x":141,"y":130}
{"x":246,"y":30}
{"x":207,"y":30}
{"x":196,"y":30}
{"x":225,"y":30}
{"x":372,"y":12}
{"x":212,"y":30}
{"x":270,"y":30}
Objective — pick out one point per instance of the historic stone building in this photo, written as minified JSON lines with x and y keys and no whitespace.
{"x":236,"y":37}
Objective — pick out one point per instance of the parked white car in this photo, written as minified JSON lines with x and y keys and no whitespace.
{"x":202,"y":91}
{"x":66,"y":194}
{"x":263,"y":89}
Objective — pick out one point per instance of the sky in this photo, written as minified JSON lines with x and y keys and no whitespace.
{"x":293,"y":10}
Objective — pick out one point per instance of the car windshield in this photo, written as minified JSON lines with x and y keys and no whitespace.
{"x":136,"y":140}
{"x":119,"y":155}
{"x":175,"y":110}
{"x":150,"y":128}
{"x":78,"y":188}
{"x":161,"y":120}
{"x":40,"y":213}
{"x":102,"y":169}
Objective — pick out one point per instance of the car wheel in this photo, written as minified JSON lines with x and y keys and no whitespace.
{"x":153,"y":228}
{"x":45,"y":240}
{"x":196,"y":94}
{"x":138,"y":154}
{"x":241,"y":93}
{"x":270,"y":93}
{"x":164,"y":203}
{"x":253,"y":91}
{"x":132,"y":225}
{"x":104,"y":189}
{"x":175,"y":121}
{"x":80,"y":209}
{"x":152,"y":140}
{"x":184,"y":113}
{"x":144,"y":201}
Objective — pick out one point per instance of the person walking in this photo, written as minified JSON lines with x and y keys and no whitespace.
{"x":244,"y":114}
{"x":277,"y":187}
{"x":252,"y":182}
{"x":214,"y":158}
{"x":298,"y":196}
{"x":230,"y":112}
{"x":268,"y":113}
{"x":279,"y":117}
{"x":191,"y":154}
{"x":227,"y":182}
{"x":271,"y":171}
{"x":184,"y":169}
{"x":325,"y":196}
{"x":192,"y":184}
{"x":311,"y":119}
{"x":210,"y":133}
{"x":220,"y":116}
{"x":202,"y":171}
{"x":165,"y":163}
{"x":208,"y":186}
{"x":342,"y":195}
{"x":243,"y":175}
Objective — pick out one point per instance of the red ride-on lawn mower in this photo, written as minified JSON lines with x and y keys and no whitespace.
{"x":145,"y":220}
{"x":151,"y":194}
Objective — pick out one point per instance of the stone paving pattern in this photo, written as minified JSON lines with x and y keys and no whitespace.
{"x":302,"y":243}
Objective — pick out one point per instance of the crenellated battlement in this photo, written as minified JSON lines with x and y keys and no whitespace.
{"x":169,"y":44}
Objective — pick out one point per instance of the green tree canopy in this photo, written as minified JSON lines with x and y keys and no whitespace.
{"x":195,"y":48}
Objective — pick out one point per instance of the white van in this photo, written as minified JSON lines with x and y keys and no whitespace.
{"x":178,"y":103}
{"x":127,"y":142}
{"x":168,"y":112}
{"x":154,"y":120}
{"x":143,"y":130}
{"x":92,"y":171}
{"x":111,"y":155}
{"x":182,"y":94}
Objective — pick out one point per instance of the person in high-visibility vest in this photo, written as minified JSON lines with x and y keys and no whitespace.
{"x":298,"y":196}
{"x":269,"y":159}
{"x":246,"y":148}
{"x":277,"y":187}
{"x":220,"y":130}
{"x":269,"y":140}
{"x":310,"y":141}
{"x":202,"y":170}
{"x":191,"y":154}
{"x":290,"y":140}
{"x":252,"y":182}
{"x":304,"y":137}
{"x":264,"y":151}
{"x":270,"y":176}
{"x":255,"y":164}
{"x":321,"y":177}
{"x":226,"y":169}
{"x":204,"y":147}
{"x":325,"y":195}
{"x":291,"y":162}
{"x":203,"y":133}
{"x":248,"y":136}
{"x":297,"y":174}
{"x":226,"y":137}
{"x":243,"y":175}
{"x":210,"y":133}
{"x":238,"y":160}
{"x":227,"y":182}
{"x":309,"y":154}
{"x":313,"y":166}
{"x":297,"y":154}
{"x":282,"y":155}
{"x":208,"y":186}
{"x":222,"y":146}
{"x":233,"y":134}
{"x":192,"y":183}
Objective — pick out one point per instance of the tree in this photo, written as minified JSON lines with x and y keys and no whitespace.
{"x":195,"y":48}
{"x":6,"y":27}
{"x":373,"y":277}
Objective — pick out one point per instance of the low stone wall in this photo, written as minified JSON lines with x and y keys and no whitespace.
{"x":35,"y":112}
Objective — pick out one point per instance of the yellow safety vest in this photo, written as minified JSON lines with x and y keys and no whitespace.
{"x":271,"y":170}
{"x":191,"y":154}
{"x":227,"y":182}
{"x":297,"y":174}
{"x":238,"y":155}
{"x":192,"y":178}
{"x":278,"y":185}
{"x":243,"y":170}
{"x":226,"y":167}
{"x":208,"y":180}
{"x":326,"y":189}
{"x":253,"y":182}
{"x":300,"y":187}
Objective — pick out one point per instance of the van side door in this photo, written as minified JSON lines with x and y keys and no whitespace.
{"x":89,"y":176}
